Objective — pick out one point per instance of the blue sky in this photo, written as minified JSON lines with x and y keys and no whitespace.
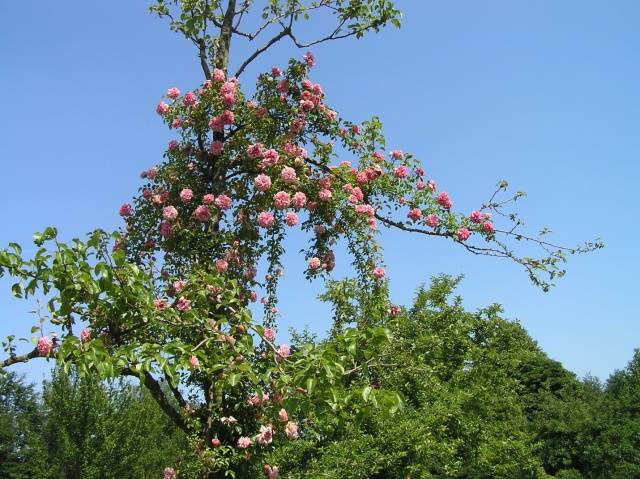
{"x":545,"y":94}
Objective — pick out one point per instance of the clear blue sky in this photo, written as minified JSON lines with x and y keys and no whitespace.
{"x":545,"y":94}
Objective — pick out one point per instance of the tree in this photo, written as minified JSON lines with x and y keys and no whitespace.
{"x":166,"y":299}
{"x":20,"y":422}
{"x":97,"y":430}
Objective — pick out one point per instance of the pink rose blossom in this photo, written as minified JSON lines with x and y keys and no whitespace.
{"x":265,"y":437}
{"x":432,"y":220}
{"x":186,"y":195}
{"x":202,"y":213}
{"x":379,"y":273}
{"x":283,"y":416}
{"x":227,"y":117}
{"x":85,"y":335}
{"x":291,"y":219}
{"x":324,"y":195}
{"x":394,"y":310}
{"x":162,"y":108}
{"x":284,"y":351}
{"x":179,"y":285}
{"x":396,"y":154}
{"x":222,"y":266}
{"x":194,"y":361}
{"x":126,"y":210}
{"x":314,"y":263}
{"x":266,"y":219}
{"x":217,"y":75}
{"x":169,"y":473}
{"x":169,"y":213}
{"x":215,"y":442}
{"x":281,"y":200}
{"x":223,"y":202}
{"x":183,"y":304}
{"x":476,"y":216}
{"x":309,"y":59}
{"x":487,"y":226}
{"x":271,"y":471}
{"x":189,"y":99}
{"x":208,"y":199}
{"x":291,"y":430}
{"x":262,"y":182}
{"x":276,"y":72}
{"x":160,"y":304}
{"x":165,"y":229}
{"x":255,"y":151}
{"x":244,"y":442}
{"x":420,"y":185}
{"x":216,"y":148}
{"x":299,"y":200}
{"x":288,"y":175}
{"x":415,"y":214}
{"x":45,"y":345}
{"x":173,"y":144}
{"x":444,"y":200}
{"x":216,"y":124}
{"x":269,"y":334}
{"x":173,"y":93}
{"x":400,"y":171}
{"x":365,"y":210}
{"x":463,"y":234}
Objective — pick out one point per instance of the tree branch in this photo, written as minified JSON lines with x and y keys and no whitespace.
{"x":158,"y":394}
{"x":23,"y":358}
{"x":261,"y":50}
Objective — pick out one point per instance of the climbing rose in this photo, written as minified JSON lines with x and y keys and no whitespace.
{"x":288,"y":175}
{"x":463,"y":234}
{"x":415,"y":214}
{"x":215,"y":442}
{"x":291,"y":430}
{"x":444,"y":200}
{"x":396,"y":154}
{"x":162,"y":108}
{"x":126,"y":210}
{"x":487,"y":226}
{"x":269,"y":334}
{"x":223,"y":202}
{"x":165,"y":229}
{"x":309,"y":59}
{"x":189,"y":99}
{"x":173,"y":93}
{"x":281,"y":200}
{"x":299,"y":200}
{"x":314,"y":263}
{"x":476,"y":216}
{"x":271,"y":471}
{"x":217,"y":75}
{"x":291,"y":219}
{"x":379,"y":273}
{"x":394,"y":310}
{"x":266,"y":219}
{"x":202,"y":213}
{"x":221,"y":266}
{"x":85,"y":335}
{"x":266,"y":435}
{"x":208,"y":199}
{"x":432,"y":220}
{"x":262,"y":182}
{"x":284,"y":351}
{"x":324,"y":195}
{"x":45,"y":345}
{"x":183,"y":305}
{"x":244,"y":442}
{"x":216,"y":148}
{"x":186,"y":195}
{"x":284,"y":417}
{"x":169,"y":473}
{"x":195,"y":362}
{"x":169,"y":213}
{"x":160,"y":304}
{"x":400,"y":171}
